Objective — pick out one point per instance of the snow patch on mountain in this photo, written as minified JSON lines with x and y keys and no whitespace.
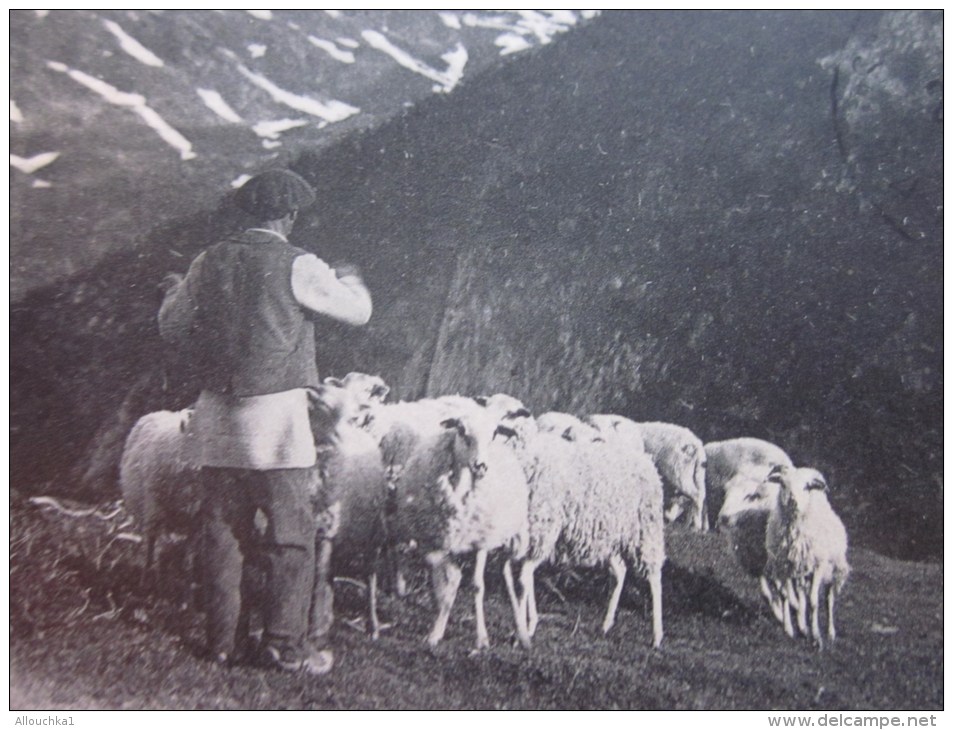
{"x":136,"y":102}
{"x":331,"y":111}
{"x":332,"y":50}
{"x":455,"y":59}
{"x":214,"y":101}
{"x":131,"y":46}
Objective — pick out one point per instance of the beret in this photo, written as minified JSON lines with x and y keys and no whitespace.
{"x":273,"y":194}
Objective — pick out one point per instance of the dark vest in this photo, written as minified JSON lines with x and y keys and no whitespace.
{"x":253,"y":337}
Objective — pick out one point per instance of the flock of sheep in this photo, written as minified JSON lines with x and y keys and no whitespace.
{"x":445,"y":478}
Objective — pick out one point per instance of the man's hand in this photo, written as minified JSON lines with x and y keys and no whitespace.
{"x":169,"y":282}
{"x":342,"y":270}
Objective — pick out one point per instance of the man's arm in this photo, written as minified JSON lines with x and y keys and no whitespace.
{"x":178,"y":308}
{"x":318,"y":288}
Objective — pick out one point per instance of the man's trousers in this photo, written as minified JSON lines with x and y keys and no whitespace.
{"x":286,"y":553}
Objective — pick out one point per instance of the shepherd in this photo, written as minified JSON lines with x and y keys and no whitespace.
{"x":243,"y":316}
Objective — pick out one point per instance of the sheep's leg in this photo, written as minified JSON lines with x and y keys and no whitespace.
{"x":774,"y":601}
{"x":519,"y":611}
{"x":322,"y":595}
{"x":815,"y":606}
{"x":617,"y":566}
{"x":479,"y":592}
{"x":527,"y":582}
{"x":375,"y":624}
{"x":193,"y":547}
{"x":831,"y":596}
{"x":655,"y":586}
{"x":511,"y":588}
{"x":699,"y":518}
{"x":395,"y":567}
{"x":798,"y":594}
{"x":792,"y":589}
{"x":786,"y":610}
{"x":188,"y":568}
{"x":801,"y":591}
{"x":445,"y":575}
{"x":400,"y":582}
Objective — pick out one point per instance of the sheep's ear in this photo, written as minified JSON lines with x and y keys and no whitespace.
{"x":481,"y":400}
{"x":380,"y":391}
{"x":505,"y":431}
{"x":775,"y":474}
{"x":336,"y":382}
{"x":568,"y":434}
{"x":453,"y":423}
{"x":817,"y":482}
{"x":519,"y":413}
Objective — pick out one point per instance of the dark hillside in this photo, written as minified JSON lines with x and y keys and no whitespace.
{"x":683,"y":227}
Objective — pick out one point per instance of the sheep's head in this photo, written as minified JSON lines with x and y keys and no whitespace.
{"x":366,"y":390}
{"x":568,"y":427}
{"x":797,"y":486}
{"x":617,"y":429}
{"x":503,"y":405}
{"x":169,"y":282}
{"x":747,"y":493}
{"x":511,"y":414}
{"x":470,"y":445}
{"x":683,"y":464}
{"x":606,"y":423}
{"x":185,"y":416}
{"x":328,"y":407}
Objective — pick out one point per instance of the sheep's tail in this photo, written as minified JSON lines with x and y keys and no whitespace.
{"x":841,"y":573}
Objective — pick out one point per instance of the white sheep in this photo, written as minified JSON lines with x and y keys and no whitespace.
{"x":405,"y":430}
{"x":744,"y":512}
{"x":351,"y":502}
{"x":806,"y":544}
{"x":726,"y":459}
{"x":590,"y":503}
{"x":464,"y":494}
{"x":678,"y":455}
{"x":160,"y":488}
{"x":405,"y":427}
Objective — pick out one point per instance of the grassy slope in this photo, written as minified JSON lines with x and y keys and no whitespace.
{"x":82,"y":638}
